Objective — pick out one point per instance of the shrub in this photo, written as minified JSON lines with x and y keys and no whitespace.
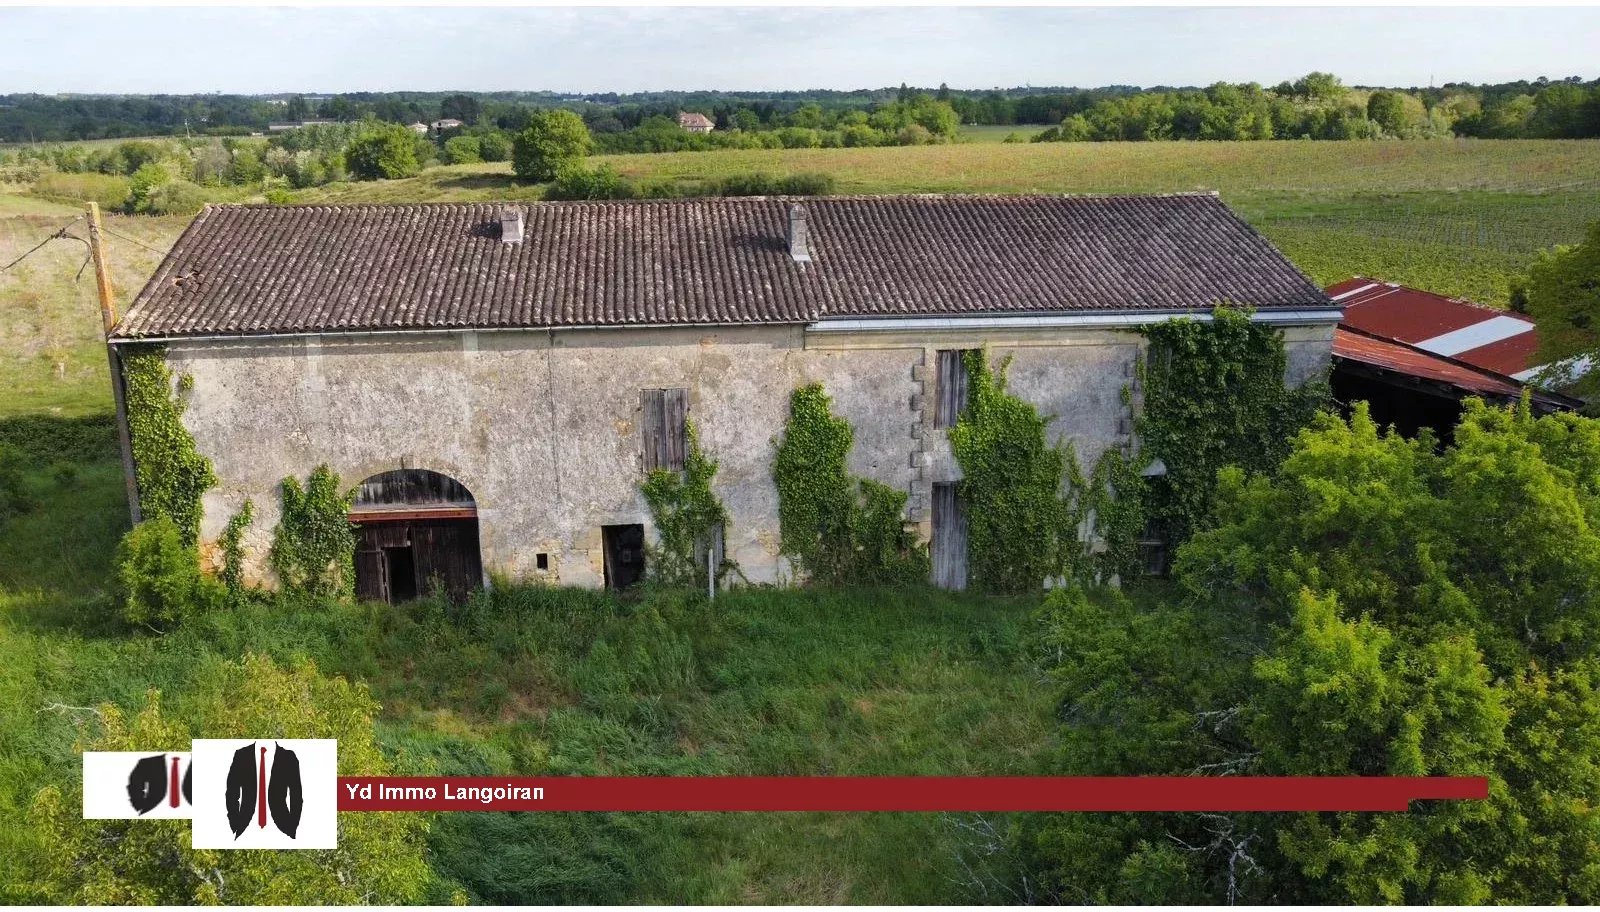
{"x":14,"y":497}
{"x":143,"y":184}
{"x":381,"y":857}
{"x":576,"y":182}
{"x":462,"y":150}
{"x":178,"y":197}
{"x":383,"y":152}
{"x":494,"y":147}
{"x":110,"y":191}
{"x":158,"y":576}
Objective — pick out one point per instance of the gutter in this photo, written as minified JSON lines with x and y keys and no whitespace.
{"x":1098,"y":320}
{"x":432,"y":331}
{"x":1121,"y":320}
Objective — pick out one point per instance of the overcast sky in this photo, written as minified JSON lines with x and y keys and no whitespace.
{"x":590,"y":49}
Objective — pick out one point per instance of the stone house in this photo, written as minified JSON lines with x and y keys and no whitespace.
{"x":497,"y":379}
{"x":695,"y":122}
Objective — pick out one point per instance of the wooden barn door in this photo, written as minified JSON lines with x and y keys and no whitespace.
{"x":949,"y":538}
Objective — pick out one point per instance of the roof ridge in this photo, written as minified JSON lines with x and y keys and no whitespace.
{"x":689,"y":200}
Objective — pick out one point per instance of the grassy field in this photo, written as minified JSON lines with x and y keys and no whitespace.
{"x":990,"y":133}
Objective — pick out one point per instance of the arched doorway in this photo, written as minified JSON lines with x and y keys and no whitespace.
{"x":417,"y":534}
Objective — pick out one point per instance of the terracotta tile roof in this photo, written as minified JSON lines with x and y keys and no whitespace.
{"x":303,"y":269}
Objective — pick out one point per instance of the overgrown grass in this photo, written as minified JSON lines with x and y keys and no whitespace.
{"x":542,"y":681}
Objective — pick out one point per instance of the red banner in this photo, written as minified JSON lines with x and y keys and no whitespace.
{"x":910,"y":793}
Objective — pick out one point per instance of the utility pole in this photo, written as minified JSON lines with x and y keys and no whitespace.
{"x":108,"y":322}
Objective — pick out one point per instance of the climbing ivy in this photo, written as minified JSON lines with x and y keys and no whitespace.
{"x":836,"y":528}
{"x":1215,"y":394}
{"x":1117,"y":494}
{"x":313,"y":547}
{"x":232,"y":545}
{"x":1021,"y":531}
{"x":685,"y":512}
{"x":172,"y":474}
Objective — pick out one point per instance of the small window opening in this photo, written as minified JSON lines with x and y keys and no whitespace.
{"x":951,"y":387}
{"x":541,"y":561}
{"x":624,"y":554}
{"x":662,"y":426}
{"x":1153,"y":553}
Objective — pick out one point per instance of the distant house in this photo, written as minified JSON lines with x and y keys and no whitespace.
{"x":419,"y":127}
{"x":449,"y":123}
{"x":497,"y":380}
{"x":695,"y":122}
{"x":1414,"y":355}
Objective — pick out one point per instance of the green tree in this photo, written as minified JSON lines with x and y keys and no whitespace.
{"x":1388,"y":110}
{"x":1435,"y":613}
{"x":1562,"y":293}
{"x":1375,"y":607}
{"x":143,"y":184}
{"x":551,"y":139}
{"x":382,"y":152}
{"x":380,"y":858}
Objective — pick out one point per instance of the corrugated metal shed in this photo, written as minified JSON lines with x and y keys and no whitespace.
{"x":1485,"y":337}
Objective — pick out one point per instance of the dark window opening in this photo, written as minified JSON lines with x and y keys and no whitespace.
{"x":950,"y":388}
{"x":624,"y":554}
{"x":662,"y":426}
{"x":541,"y":561}
{"x":401,"y":567}
{"x":949,"y":537}
{"x":1154,"y":558}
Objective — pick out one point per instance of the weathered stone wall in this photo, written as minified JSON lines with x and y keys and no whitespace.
{"x":543,"y":428}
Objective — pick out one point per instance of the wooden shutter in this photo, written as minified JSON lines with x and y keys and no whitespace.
{"x":650,"y":427}
{"x":675,"y":407}
{"x":662,"y":428}
{"x":951,"y":391}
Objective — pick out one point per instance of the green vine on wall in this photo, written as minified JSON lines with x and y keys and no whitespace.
{"x":1020,"y":529}
{"x":172,"y":474}
{"x":232,"y":546}
{"x":686,"y":514}
{"x":1215,"y":394}
{"x":836,"y":528}
{"x":314,"y":545}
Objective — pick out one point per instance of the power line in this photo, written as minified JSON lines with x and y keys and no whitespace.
{"x":133,"y":240}
{"x":62,"y":233}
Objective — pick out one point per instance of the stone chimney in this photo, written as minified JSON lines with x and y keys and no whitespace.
{"x":799,"y":239}
{"x":511,"y":226}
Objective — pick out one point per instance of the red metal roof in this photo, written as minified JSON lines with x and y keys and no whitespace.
{"x":1425,"y":319}
{"x":1396,"y":356}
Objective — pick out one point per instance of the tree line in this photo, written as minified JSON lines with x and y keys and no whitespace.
{"x":1317,"y":105}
